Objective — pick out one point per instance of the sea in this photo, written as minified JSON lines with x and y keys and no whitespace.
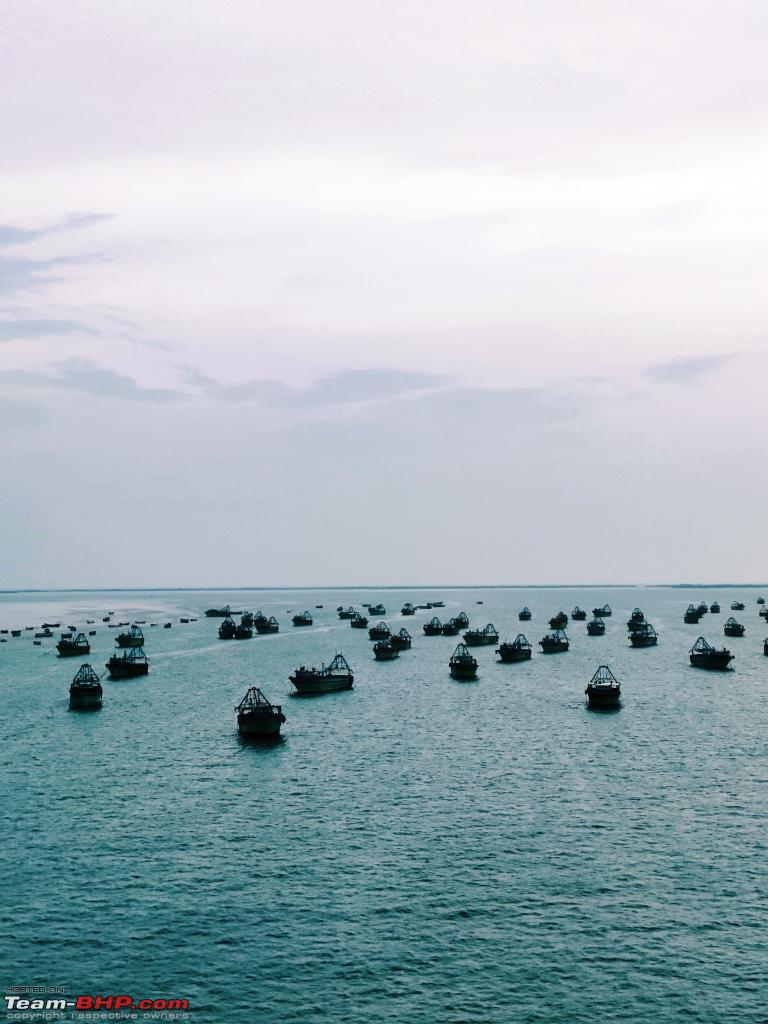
{"x":415,"y":850}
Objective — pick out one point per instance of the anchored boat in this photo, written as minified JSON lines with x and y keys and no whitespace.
{"x":358,"y":621}
{"x":67,"y":648}
{"x":221,"y":613}
{"x":347,"y":613}
{"x":559,"y":621}
{"x":129,"y":664}
{"x":462,"y":664}
{"x":305,"y":619}
{"x":596,"y":627}
{"x":578,"y":614}
{"x":692,"y":615}
{"x":385,"y":651}
{"x":703,"y":655}
{"x":479,"y":637}
{"x":133,"y":638}
{"x":257,"y":717}
{"x":380,"y":632}
{"x":377,"y":609}
{"x":244,"y":629}
{"x":85,"y":690}
{"x":733,"y":628}
{"x":643,"y":636}
{"x":336,"y":676}
{"x":401,"y":640}
{"x":637,"y":618}
{"x":603,"y":690}
{"x":554,"y":643}
{"x":408,"y":609}
{"x":270,"y":625}
{"x":519,"y":650}
{"x":715,"y":608}
{"x":227,"y":629}
{"x":451,"y":628}
{"x":433,"y":628}
{"x":524,"y":614}
{"x":602,"y":613}
{"x":737,"y":606}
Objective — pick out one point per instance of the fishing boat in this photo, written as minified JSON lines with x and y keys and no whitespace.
{"x":703,"y":655}
{"x":130,"y":663}
{"x":270,"y":625}
{"x":85,"y":690}
{"x":559,"y":621}
{"x":733,"y":628}
{"x":602,"y":613}
{"x":336,"y":676}
{"x":643,"y":635}
{"x":519,"y":650}
{"x":257,"y":718}
{"x":737,"y":606}
{"x":305,"y":619}
{"x":37,"y":643}
{"x":578,"y":614}
{"x":15,"y":632}
{"x":46,"y":634}
{"x":434,"y":627}
{"x":692,"y":615}
{"x":760,"y":600}
{"x":67,"y":648}
{"x":603,"y":690}
{"x":55,"y":625}
{"x":763,"y":613}
{"x":377,"y":609}
{"x":554,"y":643}
{"x":438,"y":604}
{"x":227,"y":629}
{"x":243,"y":630}
{"x":462,"y":664}
{"x":401,"y":640}
{"x":385,"y":651}
{"x":167,"y":625}
{"x":596,"y":626}
{"x":463,"y":620}
{"x":408,"y":609}
{"x":637,"y":618}
{"x":358,"y":621}
{"x":525,"y":614}
{"x":347,"y":613}
{"x":479,"y":637}
{"x":318,"y":606}
{"x":106,"y":618}
{"x":221,"y":613}
{"x":91,"y":632}
{"x":133,"y":638}
{"x":715,"y":608}
{"x":765,"y":648}
{"x":380,"y":632}
{"x":451,"y":628}
{"x":702,"y":608}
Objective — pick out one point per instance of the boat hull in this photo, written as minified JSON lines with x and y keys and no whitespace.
{"x":85,"y":697}
{"x":73,"y":652}
{"x":463,"y":672}
{"x":603,"y":697}
{"x":554,"y":648}
{"x":260,"y":726}
{"x":321,"y":685}
{"x":643,"y":641}
{"x":127,"y":671}
{"x":517,"y":654}
{"x":715,"y":662}
{"x":129,"y":642}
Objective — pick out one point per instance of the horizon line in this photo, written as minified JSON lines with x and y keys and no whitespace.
{"x":379,"y":586}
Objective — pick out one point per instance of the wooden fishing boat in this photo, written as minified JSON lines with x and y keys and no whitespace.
{"x":692,"y":615}
{"x":377,"y":609}
{"x":525,"y":614}
{"x":133,"y":638}
{"x":451,"y":628}
{"x":554,"y":643}
{"x":358,"y":621}
{"x":602,"y":613}
{"x":15,"y":632}
{"x":434,"y":627}
{"x":479,"y":637}
{"x":401,"y":640}
{"x":408,"y":609}
{"x":347,"y":613}
{"x":760,"y":600}
{"x":55,"y":625}
{"x":305,"y":619}
{"x":129,"y":664}
{"x":519,"y":650}
{"x":68,"y":648}
{"x":637,"y":618}
{"x":221,"y":613}
{"x":336,"y":676}
{"x":703,"y":655}
{"x":438,"y":604}
{"x":462,"y":664}
{"x":257,"y":718}
{"x":596,"y":626}
{"x":702,"y":608}
{"x":715,"y":607}
{"x":763,"y":613}
{"x":85,"y":690}
{"x":380,"y":632}
{"x":385,"y":651}
{"x":643,"y":635}
{"x":603,"y":690}
{"x":463,"y":620}
{"x":227,"y":629}
{"x":737,"y":606}
{"x":559,"y":621}
{"x":264,"y":625}
{"x":578,"y":614}
{"x":243,"y":630}
{"x":46,"y":634}
{"x":733,"y":628}
{"x":167,"y":625}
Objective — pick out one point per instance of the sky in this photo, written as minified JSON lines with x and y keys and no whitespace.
{"x":382,"y":293}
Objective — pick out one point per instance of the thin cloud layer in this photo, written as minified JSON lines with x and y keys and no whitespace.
{"x":686,"y":370}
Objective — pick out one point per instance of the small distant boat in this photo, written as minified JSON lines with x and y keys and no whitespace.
{"x":478,"y":602}
{"x":763,"y":613}
{"x":89,"y":622}
{"x":133,"y":638}
{"x":519,"y":650}
{"x":438,"y":604}
{"x":15,"y":632}
{"x":130,"y":663}
{"x":3,"y":630}
{"x":318,"y":606}
{"x":85,"y":690}
{"x":462,"y":664}
{"x":336,"y":676}
{"x":91,"y":632}
{"x":385,"y":651}
{"x":637,"y":618}
{"x":347,"y":613}
{"x":643,"y":636}
{"x":603,"y":690}
{"x":596,"y":627}
{"x":479,"y":637}
{"x":760,"y":600}
{"x":434,"y":627}
{"x":765,"y":648}
{"x":185,"y":621}
{"x":602,"y":613}
{"x":46,"y":634}
{"x":257,"y":717}
{"x":715,"y":608}
{"x":578,"y":614}
{"x":377,"y":609}
{"x":554,"y":643}
{"x":227,"y":629}
{"x":55,"y":625}
{"x":270,"y":625}
{"x":380,"y":632}
{"x":733,"y":628}
{"x":702,"y":608}
{"x":451,"y":628}
{"x":221,"y":613}
{"x":401,"y":640}
{"x":524,"y":614}
{"x":703,"y":655}
{"x":358,"y":621}
{"x":305,"y":619}
{"x":167,"y":625}
{"x":106,"y":618}
{"x":692,"y":615}
{"x":737,"y":606}
{"x":38,"y":643}
{"x":559,"y":621}
{"x":67,"y":648}
{"x":408,"y":609}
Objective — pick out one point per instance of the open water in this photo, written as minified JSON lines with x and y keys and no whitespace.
{"x":414,"y":851}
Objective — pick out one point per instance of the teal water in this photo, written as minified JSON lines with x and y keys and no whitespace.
{"x":413,"y":851}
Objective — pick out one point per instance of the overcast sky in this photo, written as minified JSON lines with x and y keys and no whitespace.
{"x":383,"y":292}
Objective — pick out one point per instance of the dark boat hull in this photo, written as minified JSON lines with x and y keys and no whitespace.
{"x":120,"y":671}
{"x":514,"y":654}
{"x":260,"y":726}
{"x":603,"y":697}
{"x":643,"y":641}
{"x":463,"y":672}
{"x":553,"y":648}
{"x":321,"y":684}
{"x":715,"y":661}
{"x":386,"y":655}
{"x":85,"y":697}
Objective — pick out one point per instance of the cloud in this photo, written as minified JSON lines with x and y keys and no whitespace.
{"x":685,"y":370}
{"x":12,"y":235}
{"x":23,"y":328}
{"x":85,"y":377}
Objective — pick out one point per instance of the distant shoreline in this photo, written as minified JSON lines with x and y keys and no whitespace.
{"x":398,"y":586}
